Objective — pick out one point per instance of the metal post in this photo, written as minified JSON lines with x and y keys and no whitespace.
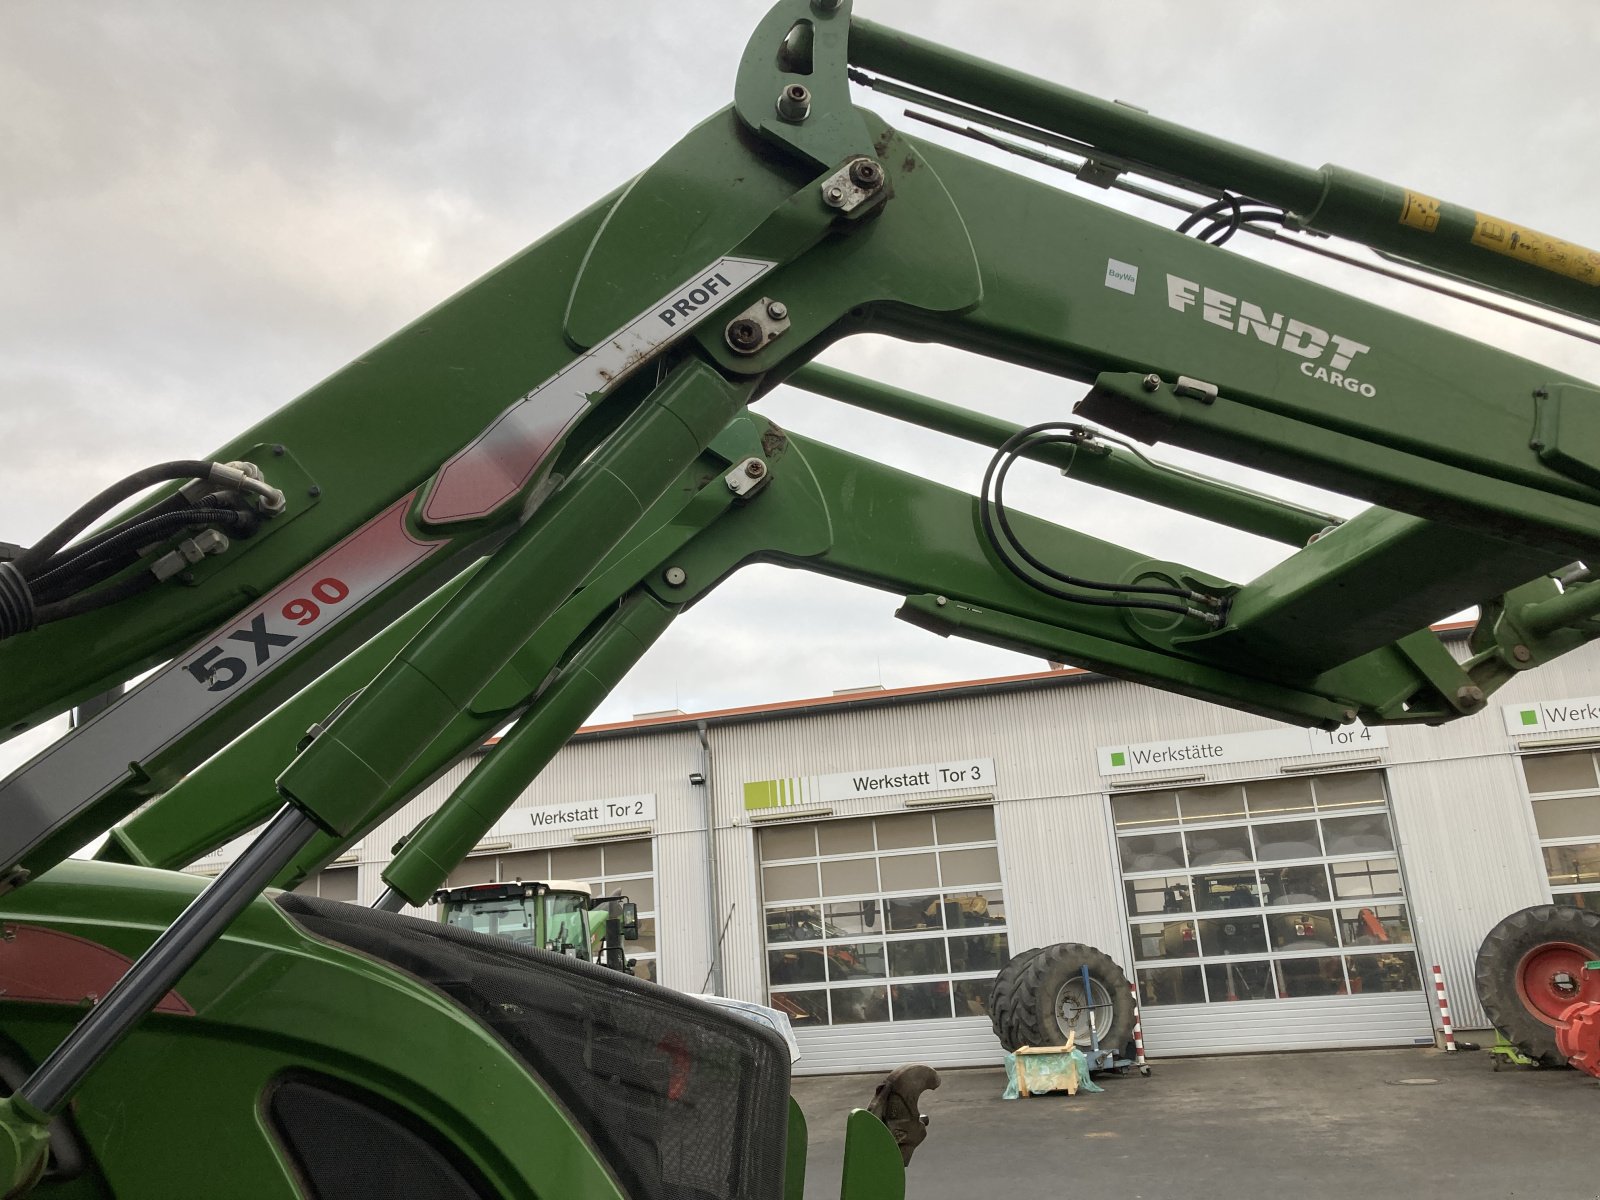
{"x":161,"y":966}
{"x":714,"y":975}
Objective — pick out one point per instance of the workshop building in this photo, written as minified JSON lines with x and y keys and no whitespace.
{"x":867,"y":861}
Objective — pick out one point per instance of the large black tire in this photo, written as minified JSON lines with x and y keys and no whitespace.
{"x":1517,"y":964}
{"x":1032,"y":1012}
{"x":1004,"y":997}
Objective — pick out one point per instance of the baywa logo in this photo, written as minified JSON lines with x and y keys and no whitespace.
{"x":1327,"y":356}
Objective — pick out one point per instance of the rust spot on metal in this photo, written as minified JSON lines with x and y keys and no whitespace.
{"x":774,"y":441}
{"x":909,"y":165}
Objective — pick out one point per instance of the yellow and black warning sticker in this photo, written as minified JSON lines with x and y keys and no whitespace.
{"x":1420,"y":211}
{"x":1538,"y":249}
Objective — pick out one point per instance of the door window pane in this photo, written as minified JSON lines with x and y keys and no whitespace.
{"x":905,"y":831}
{"x":1305,"y":884}
{"x":1368,"y":834}
{"x":1170,"y":894}
{"x":1570,"y":866}
{"x":1279,"y":797}
{"x":915,"y":912}
{"x":1243,"y":934}
{"x":1396,"y":972}
{"x":1375,"y":925}
{"x":965,"y":825}
{"x":972,"y":997}
{"x":628,"y":858}
{"x":845,"y":837}
{"x":1365,"y":877}
{"x":799,"y":965}
{"x":1144,"y":808}
{"x":1302,"y":931}
{"x":856,"y":960}
{"x":1215,"y":847}
{"x":1287,"y":839}
{"x":902,"y":871}
{"x":978,"y":952}
{"x":855,"y":1005}
{"x":1570,"y":816}
{"x":854,"y":917}
{"x":1232,"y":889}
{"x":641,"y":891}
{"x":1171,"y":985}
{"x":1222,"y":803}
{"x":920,"y":1001}
{"x":843,"y":876}
{"x":788,"y":841}
{"x":1151,"y":852}
{"x":575,"y":862}
{"x":804,"y":1008}
{"x":1349,"y":789}
{"x":974,"y":910}
{"x":790,"y":883}
{"x":1165,"y":939}
{"x":1560,"y":772}
{"x":924,"y":956}
{"x":1310,"y":977}
{"x":794,"y":923}
{"x":962,"y":868}
{"x":1232,"y":981}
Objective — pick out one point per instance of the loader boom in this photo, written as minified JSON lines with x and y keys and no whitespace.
{"x":491,"y":516}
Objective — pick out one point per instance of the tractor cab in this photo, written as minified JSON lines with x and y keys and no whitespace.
{"x":557,"y":915}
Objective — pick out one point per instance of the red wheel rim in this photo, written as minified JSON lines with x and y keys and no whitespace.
{"x":1551,"y":979}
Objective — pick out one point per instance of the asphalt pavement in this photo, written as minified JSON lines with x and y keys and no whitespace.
{"x":1352,"y":1125}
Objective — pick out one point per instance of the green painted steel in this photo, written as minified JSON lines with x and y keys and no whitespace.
{"x":628,"y":480}
{"x":351,"y":1018}
{"x":794,"y":1175}
{"x":873,"y":1168}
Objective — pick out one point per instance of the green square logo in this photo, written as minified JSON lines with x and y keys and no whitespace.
{"x":1530,"y":716}
{"x":1118,"y":759}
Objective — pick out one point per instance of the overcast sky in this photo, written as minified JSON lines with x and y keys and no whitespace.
{"x":206,"y":208}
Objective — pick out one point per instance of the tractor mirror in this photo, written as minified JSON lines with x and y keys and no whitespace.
{"x":630,"y":920}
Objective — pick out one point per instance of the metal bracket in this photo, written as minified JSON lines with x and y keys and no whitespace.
{"x":748,"y":476}
{"x":750,"y":331}
{"x":853,"y":184}
{"x":1202,"y":391}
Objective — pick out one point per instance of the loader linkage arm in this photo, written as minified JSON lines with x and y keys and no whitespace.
{"x":444,"y":563}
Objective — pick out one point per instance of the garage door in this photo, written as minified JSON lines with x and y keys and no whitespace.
{"x":883,"y":936}
{"x":1270,"y":915}
{"x":609,"y":868}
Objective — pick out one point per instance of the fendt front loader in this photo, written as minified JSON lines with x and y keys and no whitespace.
{"x":488,"y":518}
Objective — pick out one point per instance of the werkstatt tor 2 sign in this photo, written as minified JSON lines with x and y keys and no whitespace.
{"x":798,"y":790}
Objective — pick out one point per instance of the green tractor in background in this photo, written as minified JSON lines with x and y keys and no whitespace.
{"x":558,"y":915}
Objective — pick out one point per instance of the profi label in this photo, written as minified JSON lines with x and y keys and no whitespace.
{"x":685,"y":302}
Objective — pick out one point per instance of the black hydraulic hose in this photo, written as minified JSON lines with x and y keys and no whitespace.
{"x":1229,"y":201}
{"x":131,"y":537}
{"x":173,"y":503}
{"x":1015,"y":543}
{"x":1001,"y":461}
{"x":1230,"y":227}
{"x":31,"y":559}
{"x":89,"y":601}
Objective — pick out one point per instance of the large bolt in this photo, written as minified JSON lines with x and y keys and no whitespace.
{"x":755,"y":468}
{"x":777,"y":309}
{"x":1151,"y":382}
{"x":1469,"y":696}
{"x":833,"y":196}
{"x":865,"y":173}
{"x":1521,"y":653}
{"x":794,"y":103}
{"x":745,"y":336}
{"x":674,"y":576}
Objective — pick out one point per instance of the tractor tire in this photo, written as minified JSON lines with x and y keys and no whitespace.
{"x":1003,"y":996}
{"x":1048,"y":987}
{"x":1530,"y":971}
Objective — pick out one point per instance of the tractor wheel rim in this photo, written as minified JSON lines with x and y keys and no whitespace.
{"x":1071,"y":1012}
{"x":1550,"y":979}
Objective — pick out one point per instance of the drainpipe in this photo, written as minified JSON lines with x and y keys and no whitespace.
{"x":714,"y":975}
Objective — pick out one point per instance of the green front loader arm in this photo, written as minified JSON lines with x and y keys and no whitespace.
{"x":527,"y":462}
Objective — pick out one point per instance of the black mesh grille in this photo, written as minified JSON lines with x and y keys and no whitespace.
{"x":684,"y":1101}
